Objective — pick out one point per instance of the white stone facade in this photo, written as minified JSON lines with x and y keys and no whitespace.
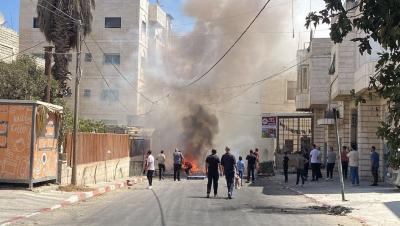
{"x":112,"y":65}
{"x":8,"y":44}
{"x":348,"y":71}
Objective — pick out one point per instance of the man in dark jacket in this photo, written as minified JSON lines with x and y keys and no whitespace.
{"x":374,"y":165}
{"x":212,"y":172}
{"x":251,"y":165}
{"x":228,"y":163}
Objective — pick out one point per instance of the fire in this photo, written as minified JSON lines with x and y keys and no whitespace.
{"x":191,"y":161}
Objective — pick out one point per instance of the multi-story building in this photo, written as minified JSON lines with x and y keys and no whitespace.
{"x":342,"y":72}
{"x":113,"y":57}
{"x":8,"y":44}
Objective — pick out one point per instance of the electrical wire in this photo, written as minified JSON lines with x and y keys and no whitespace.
{"x":22,"y":51}
{"x":120,"y":73}
{"x":230,"y":48}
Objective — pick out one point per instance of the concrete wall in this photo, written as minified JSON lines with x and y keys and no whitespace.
{"x":130,"y":41}
{"x":8,"y":43}
{"x":97,"y":172}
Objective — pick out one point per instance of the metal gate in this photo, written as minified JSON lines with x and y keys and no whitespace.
{"x":294,"y":133}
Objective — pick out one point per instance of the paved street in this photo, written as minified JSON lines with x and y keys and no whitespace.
{"x":184,"y":203}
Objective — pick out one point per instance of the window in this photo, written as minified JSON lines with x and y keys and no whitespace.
{"x":88,"y":57}
{"x":291,"y":90}
{"x":87,"y":93}
{"x":332,"y":68}
{"x":144,"y":27}
{"x":112,"y":58}
{"x":35,"y":22}
{"x":110,"y":95}
{"x":304,"y":78}
{"x":112,"y":22}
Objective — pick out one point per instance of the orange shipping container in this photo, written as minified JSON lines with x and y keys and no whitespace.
{"x":28,"y":141}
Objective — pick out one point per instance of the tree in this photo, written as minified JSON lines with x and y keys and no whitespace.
{"x":58,"y":22}
{"x":379,"y":21}
{"x":23,"y":80}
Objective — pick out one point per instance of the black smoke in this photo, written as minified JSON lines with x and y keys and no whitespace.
{"x":199,"y":130}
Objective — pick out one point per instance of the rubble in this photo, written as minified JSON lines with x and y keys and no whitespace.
{"x":333,"y":210}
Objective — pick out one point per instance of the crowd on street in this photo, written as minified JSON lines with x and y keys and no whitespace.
{"x":214,"y":168}
{"x":348,"y":159}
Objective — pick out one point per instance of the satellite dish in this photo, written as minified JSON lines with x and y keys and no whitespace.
{"x":2,"y":20}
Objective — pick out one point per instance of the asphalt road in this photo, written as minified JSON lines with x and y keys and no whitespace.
{"x":183,"y":203}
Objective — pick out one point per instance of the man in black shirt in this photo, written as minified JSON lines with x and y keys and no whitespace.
{"x":228,"y":163}
{"x":251,"y":165}
{"x":212,"y":171}
{"x":285,"y":166}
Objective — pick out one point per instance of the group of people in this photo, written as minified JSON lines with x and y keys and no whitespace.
{"x":214,"y":167}
{"x":348,"y":159}
{"x":228,"y":167}
{"x":178,"y":160}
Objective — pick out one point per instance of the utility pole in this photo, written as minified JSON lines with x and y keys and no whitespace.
{"x":76,"y":102}
{"x":335,"y":113}
{"x":48,"y":54}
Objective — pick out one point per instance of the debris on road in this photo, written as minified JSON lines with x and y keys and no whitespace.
{"x":333,"y":210}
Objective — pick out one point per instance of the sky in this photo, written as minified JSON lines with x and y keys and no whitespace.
{"x":181,"y":23}
{"x":10,"y":10}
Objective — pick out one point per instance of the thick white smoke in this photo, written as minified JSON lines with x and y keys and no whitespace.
{"x":264,"y":50}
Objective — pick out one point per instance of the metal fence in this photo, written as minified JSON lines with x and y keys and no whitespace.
{"x":96,"y":147}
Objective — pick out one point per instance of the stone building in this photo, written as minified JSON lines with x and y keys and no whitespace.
{"x":8,"y":44}
{"x":112,"y":61}
{"x":341,"y":71}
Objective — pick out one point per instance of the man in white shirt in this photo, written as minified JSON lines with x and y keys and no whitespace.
{"x":150,"y":168}
{"x":353,"y":163}
{"x":315,"y":163}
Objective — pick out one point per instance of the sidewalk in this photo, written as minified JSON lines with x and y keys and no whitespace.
{"x":374,"y":206}
{"x":17,"y":203}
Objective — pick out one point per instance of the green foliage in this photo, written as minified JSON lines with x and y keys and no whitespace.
{"x":379,"y":21}
{"x":58,"y":23}
{"x":88,"y":125}
{"x":22,"y":80}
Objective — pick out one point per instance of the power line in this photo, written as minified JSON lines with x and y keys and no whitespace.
{"x":105,"y":80}
{"x":230,"y":48}
{"x":55,"y":7}
{"x":108,"y":85}
{"x":22,"y":51}
{"x":120,"y":73}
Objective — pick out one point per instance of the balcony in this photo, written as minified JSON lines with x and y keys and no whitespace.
{"x":157,"y":16}
{"x":302,"y":102}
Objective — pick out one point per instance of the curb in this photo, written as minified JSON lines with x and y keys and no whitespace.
{"x":75,"y":198}
{"x":360,"y":220}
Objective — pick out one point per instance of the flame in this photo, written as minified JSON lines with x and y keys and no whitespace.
{"x":189,"y":159}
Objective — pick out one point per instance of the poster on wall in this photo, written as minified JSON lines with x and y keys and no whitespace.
{"x":269,"y":127}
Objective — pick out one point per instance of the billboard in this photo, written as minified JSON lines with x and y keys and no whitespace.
{"x":269,"y":127}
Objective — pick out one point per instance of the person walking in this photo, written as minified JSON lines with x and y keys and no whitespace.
{"x":331,"y":160}
{"x":286,"y":166}
{"x":251,"y":164}
{"x":240,"y":167}
{"x":212,"y":171}
{"x":345,"y":161}
{"x":228,"y":163}
{"x":314,"y":157}
{"x":161,"y":164}
{"x":150,"y":168}
{"x":178,"y":159}
{"x":374,"y":165}
{"x":353,"y":163}
{"x":300,"y":163}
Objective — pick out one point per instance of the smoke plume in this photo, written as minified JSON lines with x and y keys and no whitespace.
{"x":196,"y":118}
{"x":199,"y":129}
